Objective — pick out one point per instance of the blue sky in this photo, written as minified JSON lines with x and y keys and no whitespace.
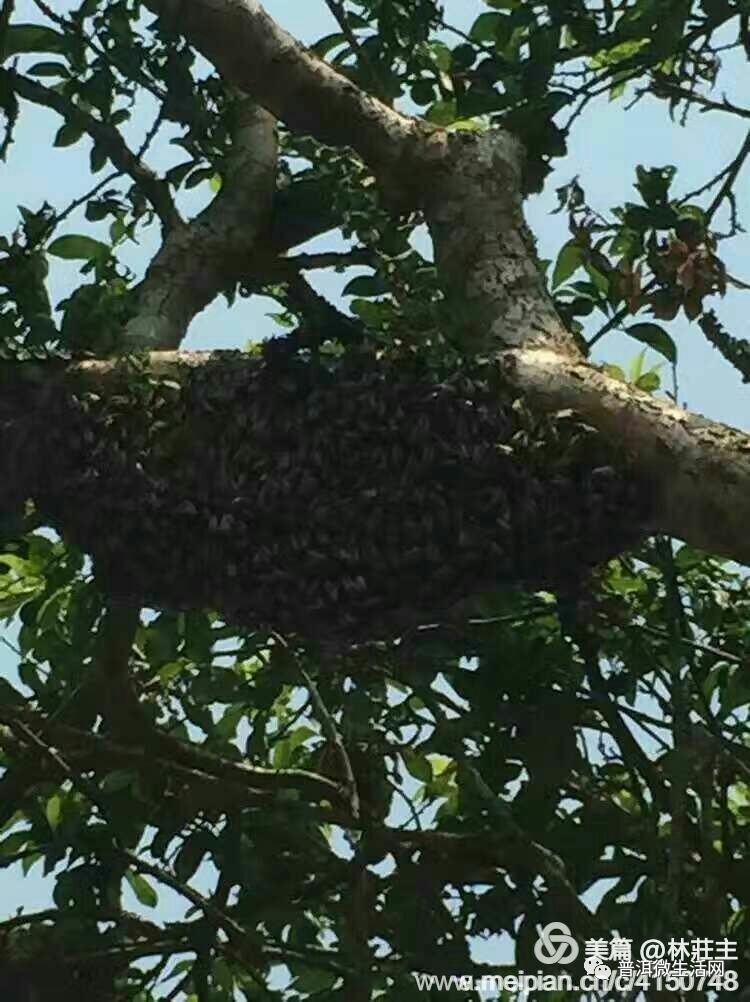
{"x":605,"y":148}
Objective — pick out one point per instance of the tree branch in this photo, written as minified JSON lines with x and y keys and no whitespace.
{"x":251,"y":51}
{"x":474,"y":858}
{"x":332,"y":733}
{"x":110,"y":687}
{"x":108,"y":139}
{"x":732,"y":173}
{"x":339,"y":13}
{"x":699,"y":469}
{"x":187,"y":762}
{"x":359,"y":987}
{"x":705,"y":103}
{"x":469,"y":186}
{"x":205,"y":257}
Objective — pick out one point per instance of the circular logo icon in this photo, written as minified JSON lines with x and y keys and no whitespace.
{"x":590,"y":964}
{"x":603,"y":971}
{"x":555,"y":944}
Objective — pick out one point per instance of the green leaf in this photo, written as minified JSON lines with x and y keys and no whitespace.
{"x":53,"y":811}
{"x":448,"y":809}
{"x":282,"y":754}
{"x":687,"y":558}
{"x":77,"y":247}
{"x":441,"y":55}
{"x":300,"y":735}
{"x":97,"y":158}
{"x":222,"y":974}
{"x":171,"y":670}
{"x":31,"y":38}
{"x":49,"y":69}
{"x":423,"y":92}
{"x":636,"y":366}
{"x":315,"y":981}
{"x":655,"y":337}
{"x":441,"y":763}
{"x":372,"y":313}
{"x":442,"y":113}
{"x":68,"y":135}
{"x":118,"y":780}
{"x":615,"y":372}
{"x":569,"y":260}
{"x":14,"y":843}
{"x":328,"y":43}
{"x":118,"y":230}
{"x":649,"y":382}
{"x":176,"y":175}
{"x":367,"y":285}
{"x":199,"y":176}
{"x":468,"y":125}
{"x":654,"y":184}
{"x":464,"y":55}
{"x":28,"y":861}
{"x":189,"y":858}
{"x":417,"y":765}
{"x":485,"y":27}
{"x":617,"y":89}
{"x":142,"y":889}
{"x":617,"y":53}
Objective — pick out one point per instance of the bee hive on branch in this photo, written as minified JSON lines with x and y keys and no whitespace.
{"x":335,"y":498}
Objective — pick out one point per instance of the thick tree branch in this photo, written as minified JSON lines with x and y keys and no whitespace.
{"x":206,"y":256}
{"x":110,"y":687}
{"x":700,"y":469}
{"x":484,"y":251}
{"x":469,"y":186}
{"x":251,"y":51}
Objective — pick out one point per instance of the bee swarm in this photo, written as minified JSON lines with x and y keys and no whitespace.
{"x":332,"y":498}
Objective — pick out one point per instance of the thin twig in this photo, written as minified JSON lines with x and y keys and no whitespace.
{"x":334,"y":736}
{"x":339,"y":14}
{"x":108,"y":138}
{"x":87,"y":788}
{"x":732,"y":173}
{"x":131,"y":72}
{"x":704,"y":102}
